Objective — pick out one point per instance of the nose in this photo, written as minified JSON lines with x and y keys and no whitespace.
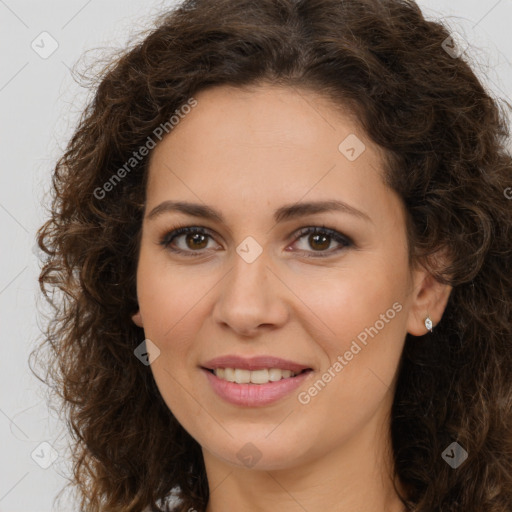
{"x":251,"y":298}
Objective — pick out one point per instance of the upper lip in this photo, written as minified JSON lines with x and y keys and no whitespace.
{"x":254,"y":363}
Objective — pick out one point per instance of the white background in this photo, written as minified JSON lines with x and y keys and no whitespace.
{"x":39,"y":106}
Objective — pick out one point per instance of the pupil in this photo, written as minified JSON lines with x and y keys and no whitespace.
{"x":195,"y":237}
{"x":313,"y":241}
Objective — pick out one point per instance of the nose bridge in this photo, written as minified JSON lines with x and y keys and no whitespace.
{"x":248,"y":279}
{"x":248,"y":296}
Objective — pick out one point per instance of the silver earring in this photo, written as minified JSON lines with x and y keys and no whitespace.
{"x":428,"y":323}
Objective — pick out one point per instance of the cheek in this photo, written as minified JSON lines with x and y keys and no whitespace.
{"x":357,"y":374}
{"x":169,"y":298}
{"x":347,"y":303}
{"x":363,"y":313}
{"x":170,"y":303}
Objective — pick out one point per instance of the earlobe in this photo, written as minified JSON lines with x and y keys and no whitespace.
{"x":429,"y":300}
{"x":137,"y":319}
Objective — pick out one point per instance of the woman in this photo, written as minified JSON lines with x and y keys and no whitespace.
{"x":283,"y":245}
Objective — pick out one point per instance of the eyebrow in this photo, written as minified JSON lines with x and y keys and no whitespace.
{"x":284,"y":213}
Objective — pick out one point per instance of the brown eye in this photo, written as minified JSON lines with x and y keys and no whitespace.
{"x":319,"y":242}
{"x":319,"y":239}
{"x":193,"y":239}
{"x":196,"y":241}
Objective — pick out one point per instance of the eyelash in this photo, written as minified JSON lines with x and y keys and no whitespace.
{"x":170,"y":236}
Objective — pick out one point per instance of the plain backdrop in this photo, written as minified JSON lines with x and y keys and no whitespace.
{"x":39,"y":107}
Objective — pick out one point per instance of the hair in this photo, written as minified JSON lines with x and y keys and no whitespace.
{"x":444,"y":143}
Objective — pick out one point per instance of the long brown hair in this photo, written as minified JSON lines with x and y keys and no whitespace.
{"x":444,"y":140}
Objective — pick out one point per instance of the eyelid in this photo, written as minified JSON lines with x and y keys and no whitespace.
{"x":181,"y":230}
{"x":339,"y":237}
{"x":333,"y":233}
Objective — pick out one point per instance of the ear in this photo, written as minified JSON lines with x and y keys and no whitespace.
{"x":429,"y":297}
{"x":137,"y":319}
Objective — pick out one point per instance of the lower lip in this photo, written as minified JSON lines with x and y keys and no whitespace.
{"x":255,"y":395}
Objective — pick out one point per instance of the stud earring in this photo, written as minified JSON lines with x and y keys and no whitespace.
{"x":428,"y":323}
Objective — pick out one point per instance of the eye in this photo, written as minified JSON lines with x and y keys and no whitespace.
{"x":320,"y":239}
{"x":194,"y":240}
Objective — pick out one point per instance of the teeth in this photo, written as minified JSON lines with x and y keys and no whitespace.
{"x":229,"y":374}
{"x":277,"y":374}
{"x":259,"y":376}
{"x":255,"y":377}
{"x":242,"y":376}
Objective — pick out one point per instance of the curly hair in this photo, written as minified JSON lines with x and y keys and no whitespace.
{"x":444,"y":139}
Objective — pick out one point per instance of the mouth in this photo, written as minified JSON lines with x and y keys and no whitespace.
{"x":260,"y":376}
{"x":255,"y":381}
{"x":254,"y":388}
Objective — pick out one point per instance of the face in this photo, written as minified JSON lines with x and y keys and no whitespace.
{"x":269,"y":281}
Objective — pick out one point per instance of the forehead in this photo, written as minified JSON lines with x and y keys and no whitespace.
{"x":265,"y":116}
{"x":252,"y":148}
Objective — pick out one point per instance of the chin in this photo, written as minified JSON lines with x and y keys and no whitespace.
{"x":258,"y":453}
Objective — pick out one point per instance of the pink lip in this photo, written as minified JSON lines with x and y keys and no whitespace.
{"x":254,"y":395}
{"x":254,"y":363}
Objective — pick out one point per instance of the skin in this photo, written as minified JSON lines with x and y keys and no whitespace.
{"x":247,"y":153}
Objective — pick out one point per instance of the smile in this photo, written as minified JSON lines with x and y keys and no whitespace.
{"x":263,"y":376}
{"x":250,"y":394}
